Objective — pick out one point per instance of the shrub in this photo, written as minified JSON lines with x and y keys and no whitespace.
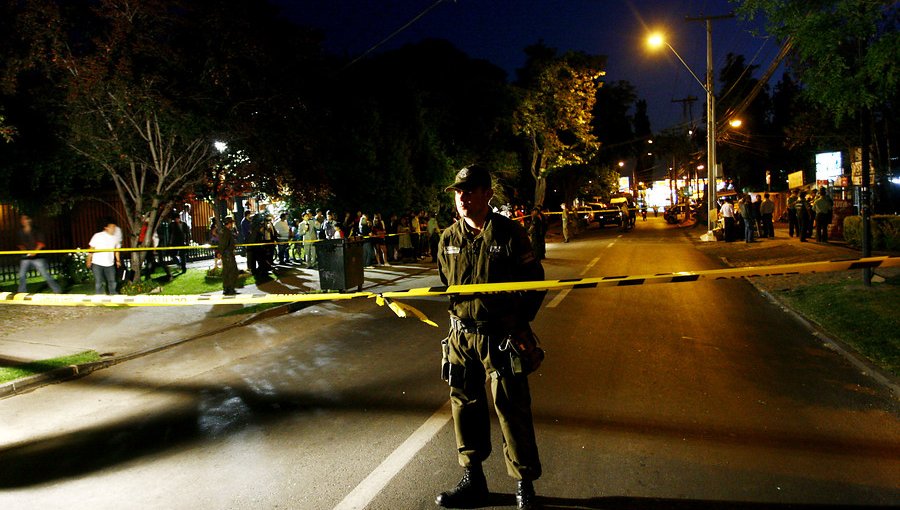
{"x":132,"y":288}
{"x":75,"y":268}
{"x":885,"y":232}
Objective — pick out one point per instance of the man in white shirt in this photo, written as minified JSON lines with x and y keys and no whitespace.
{"x":283,"y":231}
{"x":727,"y":212}
{"x":104,"y":264}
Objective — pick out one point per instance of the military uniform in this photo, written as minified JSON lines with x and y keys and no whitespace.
{"x":229,"y":265}
{"x":479,"y":324}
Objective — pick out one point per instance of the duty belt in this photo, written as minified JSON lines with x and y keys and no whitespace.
{"x":473,"y":326}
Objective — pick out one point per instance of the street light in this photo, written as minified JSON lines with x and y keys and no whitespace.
{"x":656,"y":41}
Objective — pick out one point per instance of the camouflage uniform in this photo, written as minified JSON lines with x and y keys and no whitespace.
{"x":479,"y":324}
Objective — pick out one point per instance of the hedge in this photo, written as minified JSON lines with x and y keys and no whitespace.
{"x":885,"y":232}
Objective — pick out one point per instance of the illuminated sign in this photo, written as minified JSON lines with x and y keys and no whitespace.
{"x":828,"y":166}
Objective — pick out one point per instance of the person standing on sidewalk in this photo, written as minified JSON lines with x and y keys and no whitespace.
{"x":489,"y":336}
{"x":746,"y":207}
{"x":793,"y":222}
{"x":823,"y":207}
{"x":283,"y":233}
{"x":104,"y":263}
{"x":31,"y":239}
{"x":767,"y":211}
{"x":227,"y":248}
{"x":727,"y":212}
{"x":802,"y":208}
{"x":179,"y":235}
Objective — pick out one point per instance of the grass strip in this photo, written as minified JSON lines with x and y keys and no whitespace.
{"x":37,"y":367}
{"x":864,"y":318}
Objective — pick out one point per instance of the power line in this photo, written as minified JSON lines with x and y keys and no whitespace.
{"x":395,"y":33}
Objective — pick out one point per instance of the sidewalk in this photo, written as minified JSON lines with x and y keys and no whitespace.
{"x":38,"y":333}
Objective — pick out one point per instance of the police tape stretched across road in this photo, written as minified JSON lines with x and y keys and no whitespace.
{"x":402,"y":310}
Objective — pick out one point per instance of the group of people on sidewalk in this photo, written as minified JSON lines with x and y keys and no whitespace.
{"x":808,"y":213}
{"x":754,"y":216}
{"x":410,"y":237}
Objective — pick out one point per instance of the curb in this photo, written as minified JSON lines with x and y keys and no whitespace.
{"x":866,"y":367}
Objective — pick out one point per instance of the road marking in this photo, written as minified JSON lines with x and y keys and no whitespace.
{"x":565,"y":292}
{"x":366,"y":491}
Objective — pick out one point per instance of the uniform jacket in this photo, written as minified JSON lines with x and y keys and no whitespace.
{"x":500,"y":253}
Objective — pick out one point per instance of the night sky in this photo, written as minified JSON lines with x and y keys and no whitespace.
{"x":499,"y":30}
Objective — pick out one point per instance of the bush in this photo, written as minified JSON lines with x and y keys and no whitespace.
{"x":132,"y":288}
{"x":885,"y":232}
{"x":75,"y":268}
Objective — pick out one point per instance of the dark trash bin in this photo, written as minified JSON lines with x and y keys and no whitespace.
{"x":340,"y":264}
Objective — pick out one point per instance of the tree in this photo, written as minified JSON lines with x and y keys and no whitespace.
{"x":744,"y":151}
{"x":613,"y":126}
{"x":122,"y":108}
{"x":848,"y":59}
{"x":409,"y":120}
{"x":554,"y":114}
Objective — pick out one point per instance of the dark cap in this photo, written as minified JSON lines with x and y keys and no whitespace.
{"x":471,"y":177}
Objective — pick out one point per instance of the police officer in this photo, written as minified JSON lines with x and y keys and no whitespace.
{"x":489,"y":337}
{"x":229,"y":265}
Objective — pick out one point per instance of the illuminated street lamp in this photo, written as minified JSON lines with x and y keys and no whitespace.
{"x":656,"y":41}
{"x":735,"y":123}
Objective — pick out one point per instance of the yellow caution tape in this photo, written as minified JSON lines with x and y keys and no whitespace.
{"x":188,"y":247}
{"x":625,"y":281}
{"x":404,"y":310}
{"x":11,"y":298}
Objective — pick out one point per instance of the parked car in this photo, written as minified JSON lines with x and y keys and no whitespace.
{"x":676,"y":213}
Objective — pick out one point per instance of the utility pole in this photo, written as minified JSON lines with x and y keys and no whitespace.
{"x":710,"y":120}
{"x":687,"y":108}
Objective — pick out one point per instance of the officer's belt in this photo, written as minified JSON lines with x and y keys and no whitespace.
{"x":473,"y":326}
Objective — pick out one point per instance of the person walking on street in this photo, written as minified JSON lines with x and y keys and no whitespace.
{"x":227,"y":248}
{"x":31,"y":240}
{"x":104,"y":264}
{"x":823,"y":207}
{"x":565,"y":222}
{"x":489,"y":336}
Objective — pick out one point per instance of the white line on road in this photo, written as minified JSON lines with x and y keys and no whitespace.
{"x":565,"y":292}
{"x":366,"y":491}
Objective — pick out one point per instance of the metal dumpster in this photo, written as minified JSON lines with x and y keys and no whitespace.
{"x":340,"y":264}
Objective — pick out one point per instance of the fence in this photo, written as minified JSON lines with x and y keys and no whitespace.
{"x":75,"y":228}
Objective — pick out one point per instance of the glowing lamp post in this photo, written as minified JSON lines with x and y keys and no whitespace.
{"x":657,"y":41}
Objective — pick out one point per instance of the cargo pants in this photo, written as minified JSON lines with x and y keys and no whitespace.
{"x":473,"y":357}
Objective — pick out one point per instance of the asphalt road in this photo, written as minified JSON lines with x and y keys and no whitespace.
{"x":690,"y":396}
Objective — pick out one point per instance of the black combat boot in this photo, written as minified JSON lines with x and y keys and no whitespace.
{"x":470,"y":492}
{"x":525,"y":498}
